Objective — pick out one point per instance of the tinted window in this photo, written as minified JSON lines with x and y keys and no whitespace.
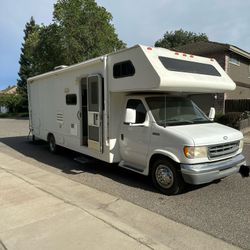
{"x":188,"y":67}
{"x":71,"y":99}
{"x":140,"y":110}
{"x":123,"y":69}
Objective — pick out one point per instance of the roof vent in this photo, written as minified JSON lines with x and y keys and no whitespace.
{"x":60,"y":67}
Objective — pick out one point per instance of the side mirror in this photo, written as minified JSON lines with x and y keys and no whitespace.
{"x":211,"y":114}
{"x":130,"y":116}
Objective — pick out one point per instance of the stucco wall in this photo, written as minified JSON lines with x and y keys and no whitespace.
{"x":239,"y":73}
{"x":239,"y":93}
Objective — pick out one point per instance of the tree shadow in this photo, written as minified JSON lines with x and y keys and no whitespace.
{"x":64,"y":161}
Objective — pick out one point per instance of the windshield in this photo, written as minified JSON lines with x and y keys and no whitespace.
{"x":171,"y":111}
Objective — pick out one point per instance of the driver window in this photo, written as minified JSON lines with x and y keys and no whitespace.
{"x":140,"y":110}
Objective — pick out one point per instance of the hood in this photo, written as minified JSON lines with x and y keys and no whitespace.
{"x":208,"y":133}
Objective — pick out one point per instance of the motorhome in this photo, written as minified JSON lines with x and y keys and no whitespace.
{"x":132,"y":107}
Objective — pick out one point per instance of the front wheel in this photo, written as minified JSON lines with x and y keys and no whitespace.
{"x":166,"y":177}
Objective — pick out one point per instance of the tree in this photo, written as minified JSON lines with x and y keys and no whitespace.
{"x":87,"y":31}
{"x":11,"y":101}
{"x":178,"y":38}
{"x":27,"y":69}
{"x":80,"y":30}
{"x":49,"y":50}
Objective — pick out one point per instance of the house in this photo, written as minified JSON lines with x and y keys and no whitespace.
{"x":235,"y":61}
{"x":10,"y":91}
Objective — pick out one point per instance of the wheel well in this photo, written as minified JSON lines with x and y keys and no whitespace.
{"x":156,"y":157}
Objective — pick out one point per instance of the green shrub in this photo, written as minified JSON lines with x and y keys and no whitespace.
{"x":230,"y":119}
{"x":218,"y":116}
{"x":245,"y":115}
{"x":14,"y":115}
{"x":4,"y":115}
{"x":12,"y":101}
{"x":23,"y":115}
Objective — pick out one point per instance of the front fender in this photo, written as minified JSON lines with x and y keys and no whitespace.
{"x":163,"y":153}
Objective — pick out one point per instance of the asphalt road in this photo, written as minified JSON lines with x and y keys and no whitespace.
{"x":221,"y":208}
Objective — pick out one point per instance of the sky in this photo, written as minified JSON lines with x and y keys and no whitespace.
{"x":136,"y":22}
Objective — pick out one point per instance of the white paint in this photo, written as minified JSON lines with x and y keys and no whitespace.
{"x":129,"y":144}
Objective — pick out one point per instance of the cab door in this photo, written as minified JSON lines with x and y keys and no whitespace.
{"x":95,"y":113}
{"x":135,"y":138}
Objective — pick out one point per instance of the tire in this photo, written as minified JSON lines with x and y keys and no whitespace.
{"x":52,"y":144}
{"x":166,"y":177}
{"x":33,"y":139}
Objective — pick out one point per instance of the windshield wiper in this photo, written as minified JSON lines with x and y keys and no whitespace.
{"x":201,"y":120}
{"x":173,"y":122}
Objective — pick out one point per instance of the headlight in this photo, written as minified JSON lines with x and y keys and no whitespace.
{"x":241,"y":144}
{"x":195,"y":152}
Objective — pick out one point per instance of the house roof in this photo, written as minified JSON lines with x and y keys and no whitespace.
{"x":212,"y":47}
{"x":9,"y":90}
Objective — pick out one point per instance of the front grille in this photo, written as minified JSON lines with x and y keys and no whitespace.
{"x":223,"y":149}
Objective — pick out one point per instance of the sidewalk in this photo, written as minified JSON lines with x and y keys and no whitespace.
{"x":247,"y":138}
{"x":41,"y":210}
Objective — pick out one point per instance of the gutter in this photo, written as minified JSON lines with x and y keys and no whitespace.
{"x":239,"y":51}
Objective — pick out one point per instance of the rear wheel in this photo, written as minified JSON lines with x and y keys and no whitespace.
{"x":52,"y":143}
{"x":33,"y":139}
{"x":167,"y":177}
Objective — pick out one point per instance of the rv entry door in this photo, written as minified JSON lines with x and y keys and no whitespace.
{"x":95,"y":112}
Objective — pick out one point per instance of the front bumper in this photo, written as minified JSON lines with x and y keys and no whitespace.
{"x":208,"y":172}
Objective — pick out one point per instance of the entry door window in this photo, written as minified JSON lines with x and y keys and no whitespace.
{"x":95,"y":112}
{"x":138,"y":106}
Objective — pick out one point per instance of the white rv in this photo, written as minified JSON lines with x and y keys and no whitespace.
{"x":132,"y":107}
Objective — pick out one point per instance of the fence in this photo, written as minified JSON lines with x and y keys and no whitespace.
{"x":237,"y":105}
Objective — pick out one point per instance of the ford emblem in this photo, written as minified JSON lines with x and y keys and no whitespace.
{"x":225,"y":137}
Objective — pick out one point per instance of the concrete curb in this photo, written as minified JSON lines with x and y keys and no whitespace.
{"x":149,"y":230}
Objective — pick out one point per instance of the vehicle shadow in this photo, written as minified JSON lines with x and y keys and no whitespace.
{"x":64,"y":161}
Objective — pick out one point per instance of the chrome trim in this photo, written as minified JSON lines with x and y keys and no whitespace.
{"x":223,"y":149}
{"x":210,"y":171}
{"x":210,"y":166}
{"x":164,"y":176}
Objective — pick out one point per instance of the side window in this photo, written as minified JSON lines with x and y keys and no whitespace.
{"x":234,"y":60}
{"x":123,"y":69}
{"x":140,"y":109}
{"x":71,"y":99}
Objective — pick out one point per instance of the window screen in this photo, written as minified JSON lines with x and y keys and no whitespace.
{"x":173,"y":64}
{"x":123,"y":69}
{"x":71,"y":99}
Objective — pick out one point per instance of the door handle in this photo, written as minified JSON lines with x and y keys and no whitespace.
{"x":96,"y":119}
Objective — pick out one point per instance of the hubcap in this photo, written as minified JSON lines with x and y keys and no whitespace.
{"x":164,"y":176}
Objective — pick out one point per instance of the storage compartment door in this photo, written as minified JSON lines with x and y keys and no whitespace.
{"x":95,"y":112}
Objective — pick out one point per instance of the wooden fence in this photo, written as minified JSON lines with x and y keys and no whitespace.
{"x":237,"y":105}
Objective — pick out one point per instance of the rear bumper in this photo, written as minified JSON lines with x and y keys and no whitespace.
{"x":208,"y":172}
